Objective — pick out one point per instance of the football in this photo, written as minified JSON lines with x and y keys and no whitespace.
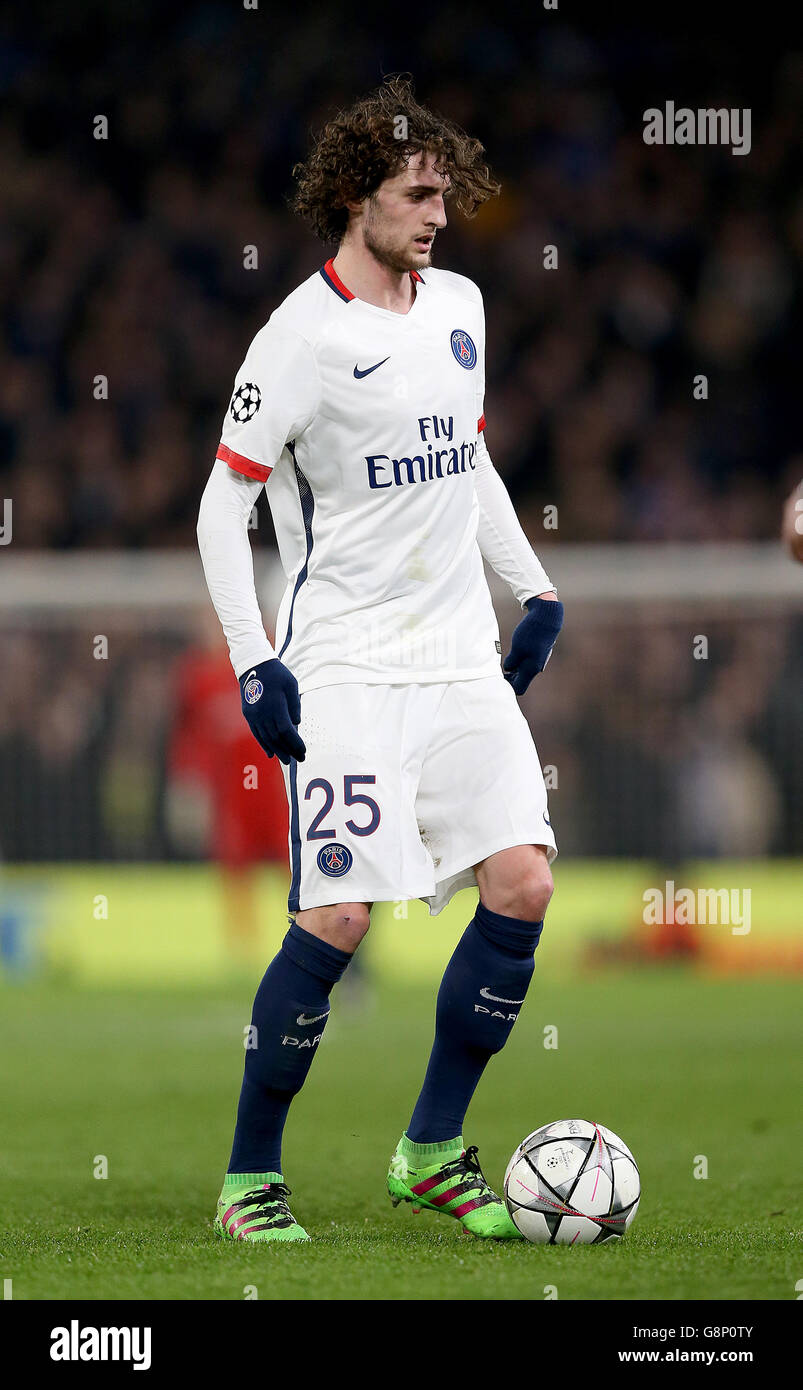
{"x":572,"y":1182}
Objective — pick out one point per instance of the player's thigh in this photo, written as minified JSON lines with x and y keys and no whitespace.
{"x":353,"y":832}
{"x":482,"y":789}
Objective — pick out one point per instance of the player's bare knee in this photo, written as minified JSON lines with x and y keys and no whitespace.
{"x":352,"y":921}
{"x":530,"y":897}
{"x":540,"y":897}
{"x":342,"y":924}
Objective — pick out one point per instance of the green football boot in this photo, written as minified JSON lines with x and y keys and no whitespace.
{"x":253,"y":1206}
{"x":448,"y":1178}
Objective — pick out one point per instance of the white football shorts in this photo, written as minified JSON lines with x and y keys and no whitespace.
{"x":406,"y":787}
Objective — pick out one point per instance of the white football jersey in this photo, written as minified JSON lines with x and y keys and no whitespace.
{"x":364,"y":425}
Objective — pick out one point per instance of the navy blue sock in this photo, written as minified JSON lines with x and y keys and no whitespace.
{"x":482,"y":989}
{"x":288,"y":1018}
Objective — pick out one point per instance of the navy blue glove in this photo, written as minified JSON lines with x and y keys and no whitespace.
{"x":272,"y":706}
{"x":532,"y":642}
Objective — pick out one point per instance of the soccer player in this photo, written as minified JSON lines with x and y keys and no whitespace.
{"x":409,"y":768}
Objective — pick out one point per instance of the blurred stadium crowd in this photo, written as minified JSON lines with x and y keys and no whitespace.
{"x":125,"y":257}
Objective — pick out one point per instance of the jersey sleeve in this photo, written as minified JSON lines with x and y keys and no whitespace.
{"x":276,"y":395}
{"x":500,"y":537}
{"x":228,"y":564}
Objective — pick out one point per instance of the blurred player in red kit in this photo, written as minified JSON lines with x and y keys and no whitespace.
{"x":222,"y":787}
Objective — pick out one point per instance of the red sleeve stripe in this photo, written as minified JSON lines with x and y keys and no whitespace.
{"x":257,"y":471}
{"x":481,"y":424}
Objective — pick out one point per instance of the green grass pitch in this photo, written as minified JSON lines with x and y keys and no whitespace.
{"x":680,"y":1065}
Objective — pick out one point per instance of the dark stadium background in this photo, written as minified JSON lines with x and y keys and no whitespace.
{"x":126,"y":255}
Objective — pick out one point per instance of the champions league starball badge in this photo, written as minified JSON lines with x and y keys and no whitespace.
{"x":245,"y":402}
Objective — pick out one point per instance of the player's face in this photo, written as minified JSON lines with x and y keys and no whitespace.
{"x":400,"y":221}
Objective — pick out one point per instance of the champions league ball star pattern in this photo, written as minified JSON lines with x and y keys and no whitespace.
{"x":572,"y":1183}
{"x":245,"y":402}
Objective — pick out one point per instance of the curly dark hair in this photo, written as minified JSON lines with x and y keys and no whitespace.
{"x":361,"y":147}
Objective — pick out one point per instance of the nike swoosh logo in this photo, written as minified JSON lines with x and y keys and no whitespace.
{"x":546,"y":818}
{"x":302,"y":1018}
{"x":368,"y":370}
{"x":486,"y":994}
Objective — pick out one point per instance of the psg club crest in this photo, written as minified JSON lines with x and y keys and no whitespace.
{"x":252,"y":690}
{"x":246,"y":402}
{"x":464,"y":349}
{"x":335,"y":860}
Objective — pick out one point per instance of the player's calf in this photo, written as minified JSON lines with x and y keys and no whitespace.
{"x":481,"y":994}
{"x":288,"y":1019}
{"x":487,"y":980}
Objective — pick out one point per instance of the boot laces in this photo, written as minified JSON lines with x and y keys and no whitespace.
{"x":472,"y":1162}
{"x":274,"y":1195}
{"x":468,"y":1163}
